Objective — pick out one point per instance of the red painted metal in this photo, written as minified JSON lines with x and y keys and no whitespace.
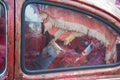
{"x":14,"y":70}
{"x":9,"y":73}
{"x":79,"y":74}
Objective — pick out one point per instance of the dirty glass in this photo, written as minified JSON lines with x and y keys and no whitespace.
{"x":56,"y":37}
{"x":2,"y":38}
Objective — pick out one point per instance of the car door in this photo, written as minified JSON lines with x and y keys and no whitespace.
{"x":6,"y":39}
{"x":66,"y":40}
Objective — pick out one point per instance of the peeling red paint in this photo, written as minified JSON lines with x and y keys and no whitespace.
{"x":9,"y":72}
{"x":14,"y":70}
{"x":70,"y":75}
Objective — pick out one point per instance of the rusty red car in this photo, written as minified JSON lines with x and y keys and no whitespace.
{"x":59,"y":40}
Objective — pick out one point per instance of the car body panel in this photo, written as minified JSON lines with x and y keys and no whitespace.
{"x":14,"y":71}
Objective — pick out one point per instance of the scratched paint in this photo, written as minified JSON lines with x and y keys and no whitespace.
{"x":76,"y":74}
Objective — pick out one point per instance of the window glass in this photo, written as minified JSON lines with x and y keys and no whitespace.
{"x":56,"y":37}
{"x":2,"y":38}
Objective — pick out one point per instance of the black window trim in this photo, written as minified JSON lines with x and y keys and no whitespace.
{"x":6,"y":39}
{"x":31,"y":72}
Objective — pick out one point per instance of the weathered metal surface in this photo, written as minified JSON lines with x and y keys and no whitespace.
{"x":108,"y":6}
{"x":10,"y":33}
{"x":18,"y":9}
{"x":68,"y":75}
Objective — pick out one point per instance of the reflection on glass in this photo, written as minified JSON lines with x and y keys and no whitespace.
{"x":58,"y":38}
{"x":2,"y":38}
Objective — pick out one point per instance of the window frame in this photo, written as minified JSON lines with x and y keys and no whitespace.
{"x":22,"y":59}
{"x":6,"y":37}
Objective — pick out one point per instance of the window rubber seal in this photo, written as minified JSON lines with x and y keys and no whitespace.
{"x":45,"y":2}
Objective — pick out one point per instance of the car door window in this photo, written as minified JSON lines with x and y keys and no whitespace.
{"x":2,"y":38}
{"x":58,"y":38}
